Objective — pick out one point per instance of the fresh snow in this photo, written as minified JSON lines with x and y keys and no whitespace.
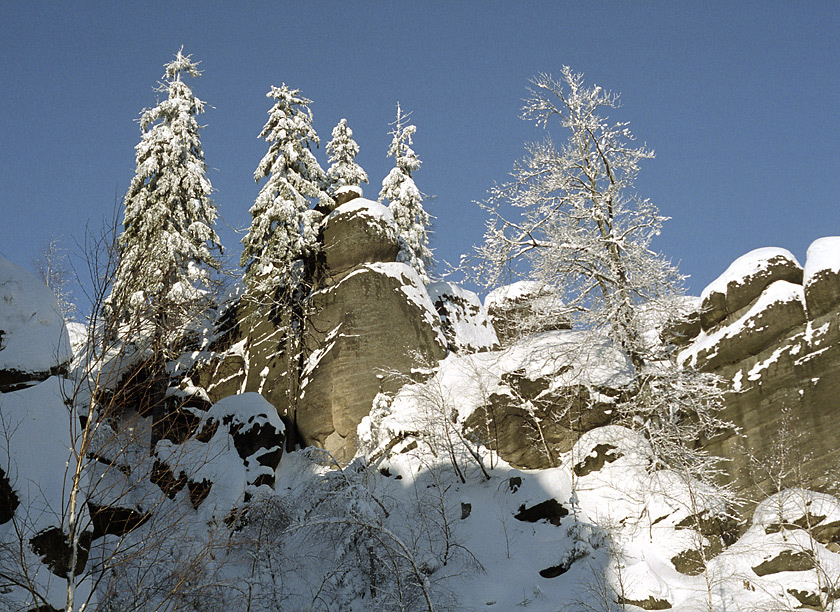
{"x":465,"y":382}
{"x":745,"y":266}
{"x":36,"y":445}
{"x":217,"y":461}
{"x":624,"y":523}
{"x":365,"y":207}
{"x":465,"y":315}
{"x":823,"y":254}
{"x":542,"y":297}
{"x":621,"y":526}
{"x":33,"y":336}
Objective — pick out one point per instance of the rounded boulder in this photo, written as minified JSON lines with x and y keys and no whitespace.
{"x":360,"y":231}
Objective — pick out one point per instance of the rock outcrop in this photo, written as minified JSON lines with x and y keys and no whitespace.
{"x":465,"y":322}
{"x":369,"y":325}
{"x":358,"y":232}
{"x":772,"y":331}
{"x":529,"y":402}
{"x":523,"y":308}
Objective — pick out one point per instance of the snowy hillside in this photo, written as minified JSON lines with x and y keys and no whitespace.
{"x":425,"y":517}
{"x":605,"y":530}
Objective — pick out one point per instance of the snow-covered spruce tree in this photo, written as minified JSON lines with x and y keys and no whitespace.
{"x":344,"y":172}
{"x":284,"y":228}
{"x":280,"y":249}
{"x":406,"y":202}
{"x":584,"y":230}
{"x":166,"y":247}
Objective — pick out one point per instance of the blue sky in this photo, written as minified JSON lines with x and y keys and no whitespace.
{"x":740,"y":101}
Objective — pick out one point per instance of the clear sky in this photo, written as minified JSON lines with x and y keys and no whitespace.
{"x":740,"y":101}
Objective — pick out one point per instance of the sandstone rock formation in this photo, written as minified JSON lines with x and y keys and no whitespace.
{"x":369,"y":324}
{"x":777,"y":342}
{"x":524,"y":307}
{"x":529,"y":402}
{"x":357,"y":232}
{"x":370,"y":327}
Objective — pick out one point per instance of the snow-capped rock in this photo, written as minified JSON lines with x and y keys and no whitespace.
{"x":777,"y":344}
{"x":778,"y":309}
{"x":525,"y":307}
{"x":368,"y":333}
{"x":744,"y":280}
{"x":822,"y":276}
{"x":360,"y":231}
{"x":528,"y":402}
{"x":34,"y":343}
{"x":465,"y":322}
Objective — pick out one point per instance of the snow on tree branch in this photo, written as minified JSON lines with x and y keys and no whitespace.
{"x":344,"y":172}
{"x":167,"y":244}
{"x":283,"y":226}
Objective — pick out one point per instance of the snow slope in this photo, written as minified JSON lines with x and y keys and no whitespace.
{"x":33,"y":338}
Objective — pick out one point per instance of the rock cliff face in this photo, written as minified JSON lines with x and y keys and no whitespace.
{"x":767,"y":325}
{"x":772,"y":330}
{"x":530,"y":402}
{"x":369,"y":325}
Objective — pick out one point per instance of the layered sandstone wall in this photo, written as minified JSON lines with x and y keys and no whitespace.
{"x":771,"y":329}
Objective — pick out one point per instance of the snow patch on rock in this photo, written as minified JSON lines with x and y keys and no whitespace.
{"x":366,"y":208}
{"x":464,"y":318}
{"x":707,"y":345}
{"x":466,"y":382}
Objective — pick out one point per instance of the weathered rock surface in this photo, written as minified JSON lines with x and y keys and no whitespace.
{"x":785,"y":561}
{"x":530,"y":431}
{"x":529,"y":402}
{"x":777,"y":342}
{"x":9,"y":501}
{"x":542,"y":405}
{"x":651,"y":603}
{"x":360,"y":231}
{"x":369,"y":324}
{"x":550,"y":510}
{"x":822,"y":277}
{"x":367,"y":333}
{"x":54,"y":548}
{"x":251,"y":355}
{"x":257,"y":432}
{"x":778,"y":308}
{"x":745,"y":279}
{"x":34,"y":343}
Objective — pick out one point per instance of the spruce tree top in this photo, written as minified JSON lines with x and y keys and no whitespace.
{"x":283,"y":227}
{"x":168,"y":241}
{"x":406,"y":201}
{"x":344,"y":171}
